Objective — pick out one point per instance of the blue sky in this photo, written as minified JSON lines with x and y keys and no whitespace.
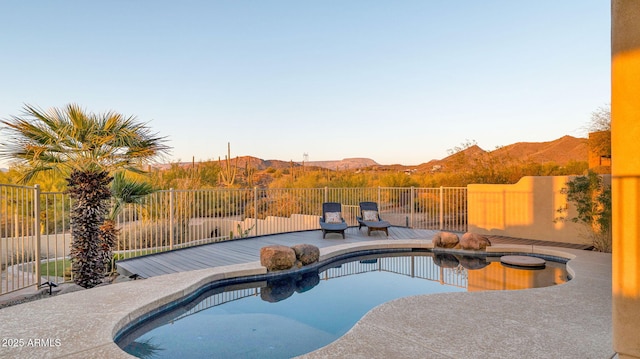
{"x":396,"y":81}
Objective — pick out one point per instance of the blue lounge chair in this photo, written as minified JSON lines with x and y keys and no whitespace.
{"x":370,"y":218}
{"x":331,"y":220}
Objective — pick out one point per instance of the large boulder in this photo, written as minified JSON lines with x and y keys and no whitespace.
{"x":445,"y":240}
{"x":473,"y":241}
{"x":306,"y":253}
{"x":277,"y":257}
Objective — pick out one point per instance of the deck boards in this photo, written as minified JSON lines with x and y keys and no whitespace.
{"x":248,"y":250}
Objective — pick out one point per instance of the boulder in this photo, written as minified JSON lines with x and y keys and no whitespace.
{"x":445,"y":240}
{"x":277,"y":257}
{"x":473,"y":241}
{"x":306,"y":253}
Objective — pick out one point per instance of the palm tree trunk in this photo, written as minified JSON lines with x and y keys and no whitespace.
{"x":89,"y":192}
{"x":108,"y":240}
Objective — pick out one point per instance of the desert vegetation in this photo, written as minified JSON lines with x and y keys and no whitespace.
{"x":590,"y":194}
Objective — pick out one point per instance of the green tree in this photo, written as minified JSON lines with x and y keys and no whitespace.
{"x":124,"y":191}
{"x":86,"y":148}
{"x":591,"y":197}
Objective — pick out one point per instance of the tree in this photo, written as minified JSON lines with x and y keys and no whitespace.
{"x":124,"y":191}
{"x":601,"y":122}
{"x":600,"y":119}
{"x":591,"y":197}
{"x":86,"y":148}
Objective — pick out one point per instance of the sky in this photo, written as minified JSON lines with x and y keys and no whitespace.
{"x":397,"y":81}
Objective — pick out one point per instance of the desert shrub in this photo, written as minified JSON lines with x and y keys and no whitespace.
{"x":143,"y":235}
{"x":591,"y":197}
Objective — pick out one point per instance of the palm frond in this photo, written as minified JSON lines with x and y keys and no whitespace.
{"x":127,"y":191}
{"x":69,"y":138}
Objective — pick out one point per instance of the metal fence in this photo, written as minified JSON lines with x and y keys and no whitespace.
{"x":35,"y":226}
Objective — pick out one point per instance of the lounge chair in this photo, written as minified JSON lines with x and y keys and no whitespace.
{"x":370,"y":218}
{"x":331,"y":220}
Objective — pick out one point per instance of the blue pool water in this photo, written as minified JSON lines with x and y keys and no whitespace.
{"x":290,"y":316}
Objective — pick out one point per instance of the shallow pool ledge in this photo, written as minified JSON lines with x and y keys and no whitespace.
{"x":484,"y":324}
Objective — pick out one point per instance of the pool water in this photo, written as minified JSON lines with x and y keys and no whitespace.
{"x":293,"y":315}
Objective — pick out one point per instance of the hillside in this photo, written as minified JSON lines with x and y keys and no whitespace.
{"x":345,"y":164}
{"x":241,"y":162}
{"x":560,"y":151}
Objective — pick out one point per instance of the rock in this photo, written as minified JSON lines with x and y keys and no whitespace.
{"x":306,"y":253}
{"x":445,"y":240}
{"x":473,"y":241}
{"x":277,"y":257}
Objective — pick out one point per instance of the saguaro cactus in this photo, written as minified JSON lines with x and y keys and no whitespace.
{"x":228,"y":172}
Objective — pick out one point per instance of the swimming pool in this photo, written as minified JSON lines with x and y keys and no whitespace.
{"x":294,"y":314}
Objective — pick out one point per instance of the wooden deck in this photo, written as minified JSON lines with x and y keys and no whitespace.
{"x":248,"y":250}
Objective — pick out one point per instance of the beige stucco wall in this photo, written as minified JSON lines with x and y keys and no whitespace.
{"x":527,"y":209}
{"x":625,"y":147}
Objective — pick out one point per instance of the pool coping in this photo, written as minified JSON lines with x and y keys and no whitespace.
{"x":83,"y":324}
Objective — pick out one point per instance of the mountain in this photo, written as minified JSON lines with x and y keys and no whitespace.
{"x":344,"y":164}
{"x":241,"y":162}
{"x":560,"y":151}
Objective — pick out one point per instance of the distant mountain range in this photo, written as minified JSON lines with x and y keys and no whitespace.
{"x":344,"y":164}
{"x":560,"y":151}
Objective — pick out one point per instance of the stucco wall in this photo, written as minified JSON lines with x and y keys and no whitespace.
{"x":526,"y":209}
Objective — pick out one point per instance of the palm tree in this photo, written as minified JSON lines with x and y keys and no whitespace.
{"x":86,"y":148}
{"x":124,"y":191}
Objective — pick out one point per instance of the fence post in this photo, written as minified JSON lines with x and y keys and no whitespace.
{"x":255,"y":210}
{"x":326,"y":194}
{"x":413,"y":205}
{"x":379,"y":190}
{"x":171,"y":219}
{"x":441,"y":208}
{"x":36,"y":231}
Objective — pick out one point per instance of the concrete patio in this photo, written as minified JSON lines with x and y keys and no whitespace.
{"x":572,"y":320}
